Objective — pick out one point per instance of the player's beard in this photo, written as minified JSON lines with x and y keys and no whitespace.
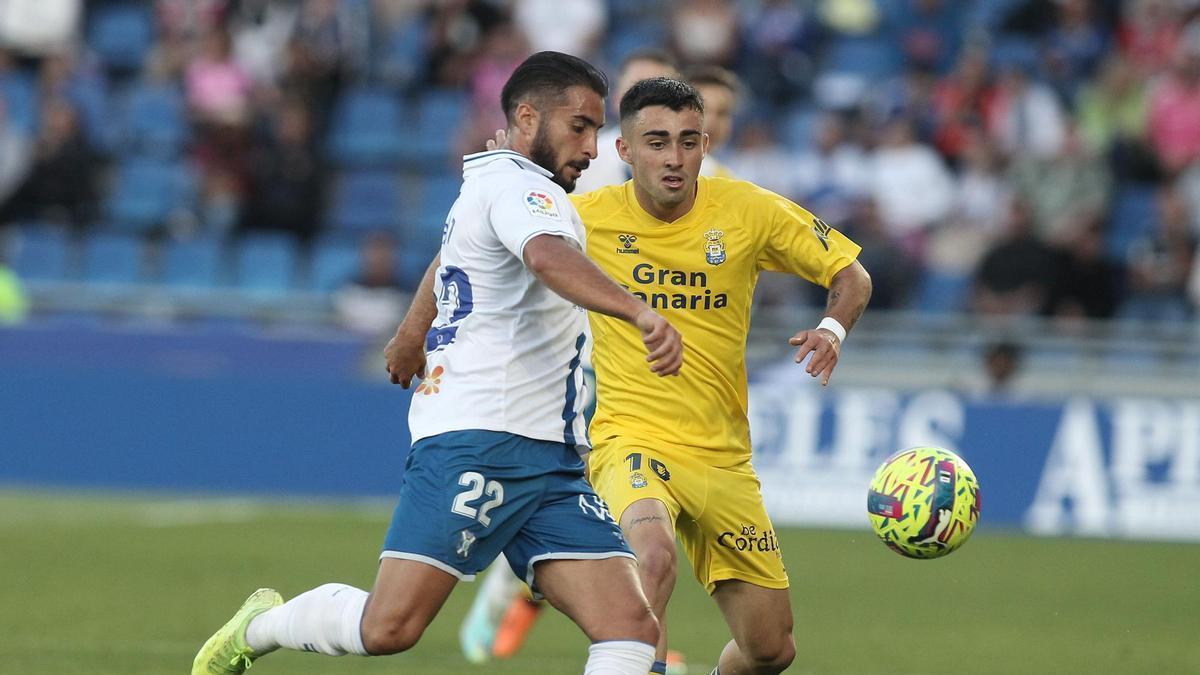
{"x":541,"y":151}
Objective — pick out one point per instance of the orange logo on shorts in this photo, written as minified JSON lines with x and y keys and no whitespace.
{"x":430,"y":384}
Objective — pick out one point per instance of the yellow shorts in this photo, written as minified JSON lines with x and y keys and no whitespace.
{"x":718,"y":512}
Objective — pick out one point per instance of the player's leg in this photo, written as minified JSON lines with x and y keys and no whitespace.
{"x":735,"y":554}
{"x":647,"y":490}
{"x":337,"y":619}
{"x":429,"y":547}
{"x":603,"y":597}
{"x":572,"y":551}
{"x":649,"y":529}
{"x":332,"y":619}
{"x":760,"y":620}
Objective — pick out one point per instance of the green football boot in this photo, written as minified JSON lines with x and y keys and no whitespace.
{"x":226,"y":652}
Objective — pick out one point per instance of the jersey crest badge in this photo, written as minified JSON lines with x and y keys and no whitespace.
{"x":714,"y":247}
{"x":637,"y":480}
{"x":627,"y":244}
{"x":541,"y":204}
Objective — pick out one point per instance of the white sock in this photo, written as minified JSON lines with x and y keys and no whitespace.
{"x":325,"y":619}
{"x":619,"y":657}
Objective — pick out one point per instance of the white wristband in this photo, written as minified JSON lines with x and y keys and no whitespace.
{"x":833,"y":326}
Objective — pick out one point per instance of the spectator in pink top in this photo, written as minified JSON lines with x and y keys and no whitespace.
{"x":218,"y":88}
{"x":1174,"y":123}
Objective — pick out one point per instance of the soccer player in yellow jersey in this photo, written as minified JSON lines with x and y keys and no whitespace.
{"x":671,"y":456}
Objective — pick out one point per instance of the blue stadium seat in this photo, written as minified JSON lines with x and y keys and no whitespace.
{"x":422,"y":226}
{"x":873,"y":58}
{"x":121,"y":33}
{"x":367,"y":129}
{"x":42,"y":254}
{"x":799,"y":127}
{"x":146,"y":191}
{"x":191,"y":264}
{"x":19,"y":92}
{"x":438,"y":116}
{"x":366,"y":200}
{"x":413,"y":264}
{"x":334,"y":262}
{"x":265,"y":264}
{"x":112,"y":259}
{"x":89,"y":94}
{"x":941,"y":292}
{"x":1133,"y":215}
{"x":632,"y":37}
{"x":401,"y":58}
{"x":155,"y":121}
{"x":1014,"y":51}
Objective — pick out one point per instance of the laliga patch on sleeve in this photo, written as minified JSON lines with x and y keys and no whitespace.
{"x":541,"y":204}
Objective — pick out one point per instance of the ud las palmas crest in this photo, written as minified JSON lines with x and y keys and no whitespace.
{"x":714,"y":246}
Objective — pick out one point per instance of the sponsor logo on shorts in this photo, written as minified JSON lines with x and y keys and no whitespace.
{"x":464,"y":547}
{"x":637,"y":480}
{"x":750,"y":539}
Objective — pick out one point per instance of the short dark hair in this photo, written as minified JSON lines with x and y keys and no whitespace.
{"x":664,"y":91}
{"x":549,"y":73}
{"x":651,"y":54}
{"x":713,"y":75}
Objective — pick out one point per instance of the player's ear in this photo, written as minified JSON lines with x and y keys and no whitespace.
{"x":526,"y":118}
{"x":704,"y":144}
{"x":623,"y":150}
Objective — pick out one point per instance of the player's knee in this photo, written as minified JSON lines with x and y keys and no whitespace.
{"x":771,"y":654}
{"x":390,"y":637}
{"x":645,"y":627}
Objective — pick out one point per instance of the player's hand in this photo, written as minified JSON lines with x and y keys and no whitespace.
{"x":664,"y":343}
{"x":405,"y":356}
{"x":500,"y":141}
{"x":825,"y":348}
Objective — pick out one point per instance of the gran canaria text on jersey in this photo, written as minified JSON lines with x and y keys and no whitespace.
{"x":645,"y":273}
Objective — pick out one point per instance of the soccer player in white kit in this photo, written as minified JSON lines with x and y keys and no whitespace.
{"x":497,"y":420}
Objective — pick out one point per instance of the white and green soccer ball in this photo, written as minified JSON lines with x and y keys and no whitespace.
{"x":924,"y":502}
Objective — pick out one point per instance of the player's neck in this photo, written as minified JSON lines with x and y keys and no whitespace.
{"x":664,"y":212}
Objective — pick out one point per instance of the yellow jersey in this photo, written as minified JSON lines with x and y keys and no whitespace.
{"x":699,"y":272}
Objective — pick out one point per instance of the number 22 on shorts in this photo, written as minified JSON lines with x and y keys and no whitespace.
{"x":477,"y":486}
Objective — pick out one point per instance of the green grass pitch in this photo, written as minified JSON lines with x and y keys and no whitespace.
{"x":133,"y":586}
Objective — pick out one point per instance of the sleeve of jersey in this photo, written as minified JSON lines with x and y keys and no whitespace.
{"x":802,"y":244}
{"x":519,"y":214}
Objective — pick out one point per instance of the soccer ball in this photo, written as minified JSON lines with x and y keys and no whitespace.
{"x":924,"y":502}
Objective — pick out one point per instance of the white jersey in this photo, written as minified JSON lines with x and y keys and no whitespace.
{"x":504,"y":352}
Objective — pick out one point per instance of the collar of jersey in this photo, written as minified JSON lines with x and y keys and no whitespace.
{"x":479,"y":160}
{"x":685,"y":220}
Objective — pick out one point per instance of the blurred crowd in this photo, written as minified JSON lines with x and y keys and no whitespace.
{"x":1002,"y":156}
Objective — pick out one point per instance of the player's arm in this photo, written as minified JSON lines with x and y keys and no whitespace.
{"x":849,"y":292}
{"x":567,"y":272}
{"x":405,"y":352}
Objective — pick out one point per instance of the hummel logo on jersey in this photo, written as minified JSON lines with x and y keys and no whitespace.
{"x":627,"y":243}
{"x":821,"y":229}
